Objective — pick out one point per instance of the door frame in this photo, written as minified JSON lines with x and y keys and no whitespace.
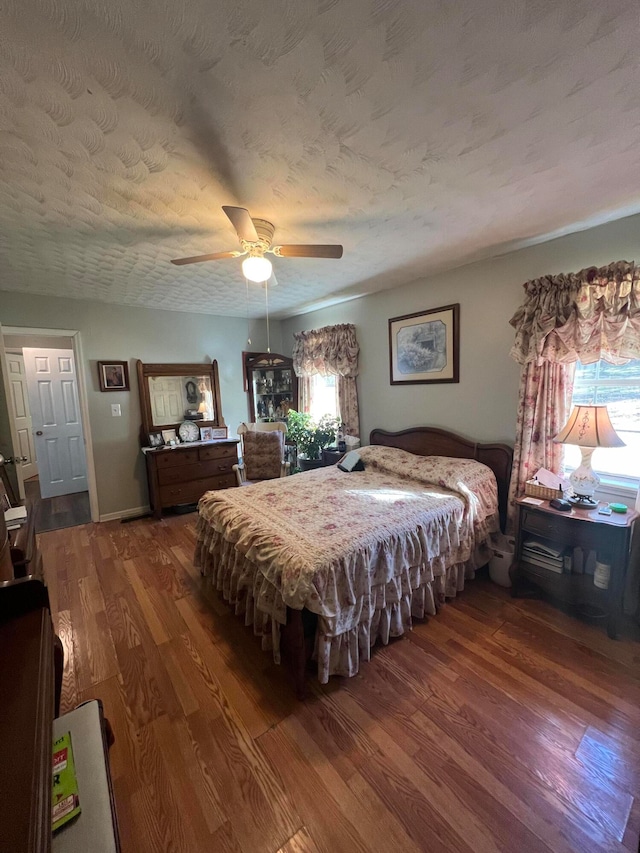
{"x":76,"y":346}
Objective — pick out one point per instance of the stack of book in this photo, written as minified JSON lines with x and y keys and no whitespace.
{"x":554,"y":558}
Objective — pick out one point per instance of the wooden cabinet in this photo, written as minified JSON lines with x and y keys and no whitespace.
{"x":608,"y":536}
{"x":271,"y":384}
{"x":182,"y":474}
{"x":31,"y":677}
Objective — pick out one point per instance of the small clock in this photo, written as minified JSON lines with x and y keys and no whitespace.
{"x":188,"y":431}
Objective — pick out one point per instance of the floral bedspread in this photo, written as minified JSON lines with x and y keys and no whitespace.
{"x":365,"y":551}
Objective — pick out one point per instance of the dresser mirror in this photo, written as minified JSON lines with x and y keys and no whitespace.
{"x":173,"y":393}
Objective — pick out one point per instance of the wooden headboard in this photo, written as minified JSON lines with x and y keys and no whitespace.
{"x":429,"y":441}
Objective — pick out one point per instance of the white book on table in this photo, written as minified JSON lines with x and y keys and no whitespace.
{"x":15,"y":517}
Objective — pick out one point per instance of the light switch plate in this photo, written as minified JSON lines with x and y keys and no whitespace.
{"x":116,"y":412}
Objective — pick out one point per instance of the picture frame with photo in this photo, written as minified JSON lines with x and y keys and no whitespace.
{"x":424,"y":348}
{"x":156,"y":439}
{"x":170,"y":436}
{"x":113,"y":375}
{"x":206,"y":433}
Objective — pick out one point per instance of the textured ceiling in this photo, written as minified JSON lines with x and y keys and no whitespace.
{"x":419,"y":134}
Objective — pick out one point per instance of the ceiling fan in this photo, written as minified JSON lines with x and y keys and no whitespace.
{"x":256,"y":237}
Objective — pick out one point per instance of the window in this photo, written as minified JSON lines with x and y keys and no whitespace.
{"x":324,"y":396}
{"x":617,"y":386}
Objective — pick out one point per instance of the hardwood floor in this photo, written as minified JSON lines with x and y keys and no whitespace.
{"x":56,"y":513}
{"x":498,"y":725}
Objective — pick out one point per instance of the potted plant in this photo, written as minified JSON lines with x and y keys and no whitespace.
{"x":310,"y":437}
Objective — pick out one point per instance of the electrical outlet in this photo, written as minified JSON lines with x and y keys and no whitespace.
{"x":116,"y":412}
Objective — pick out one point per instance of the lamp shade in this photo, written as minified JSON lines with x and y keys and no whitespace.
{"x":589,"y":426}
{"x":256,"y":268}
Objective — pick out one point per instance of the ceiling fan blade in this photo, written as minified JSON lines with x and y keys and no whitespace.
{"x":303,"y":251}
{"x":198,"y":259}
{"x":242,"y":222}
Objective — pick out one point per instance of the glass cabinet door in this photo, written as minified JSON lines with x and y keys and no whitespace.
{"x":272,"y":386}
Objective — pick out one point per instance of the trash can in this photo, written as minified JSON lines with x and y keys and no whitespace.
{"x":503,"y":548}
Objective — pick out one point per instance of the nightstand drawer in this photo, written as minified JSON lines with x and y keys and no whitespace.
{"x":549,"y":526}
{"x":567,"y":529}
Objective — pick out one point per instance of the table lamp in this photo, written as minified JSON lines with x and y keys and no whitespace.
{"x":588,"y":427}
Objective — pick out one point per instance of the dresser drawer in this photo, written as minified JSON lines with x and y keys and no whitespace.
{"x":182,"y":493}
{"x":219,"y":451}
{"x":199,"y":471}
{"x":172,"y":458}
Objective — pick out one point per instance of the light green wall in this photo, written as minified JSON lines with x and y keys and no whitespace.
{"x":123,"y":333}
{"x":483,"y":404}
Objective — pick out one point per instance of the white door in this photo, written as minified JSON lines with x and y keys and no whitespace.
{"x":22,"y":414}
{"x":56,"y":421}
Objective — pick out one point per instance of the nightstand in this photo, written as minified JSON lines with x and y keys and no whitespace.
{"x":609,"y":536}
{"x":331,"y":456}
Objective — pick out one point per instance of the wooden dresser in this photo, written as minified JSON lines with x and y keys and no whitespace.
{"x":182,"y":474}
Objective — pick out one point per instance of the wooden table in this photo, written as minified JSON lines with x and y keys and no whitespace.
{"x":610,"y":536}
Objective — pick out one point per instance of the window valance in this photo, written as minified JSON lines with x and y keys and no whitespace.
{"x":330,"y":351}
{"x":588,"y":315}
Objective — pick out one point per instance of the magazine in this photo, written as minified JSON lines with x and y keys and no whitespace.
{"x":546,"y":549}
{"x":65,"y":803}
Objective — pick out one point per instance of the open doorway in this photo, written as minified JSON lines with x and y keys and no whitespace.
{"x":53,"y":464}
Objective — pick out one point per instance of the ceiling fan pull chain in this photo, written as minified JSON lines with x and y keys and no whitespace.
{"x":266,"y":301}
{"x":246,"y":283}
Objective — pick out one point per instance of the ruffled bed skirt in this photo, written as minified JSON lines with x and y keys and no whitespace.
{"x":414,"y":592}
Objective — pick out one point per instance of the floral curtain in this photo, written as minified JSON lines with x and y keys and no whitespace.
{"x":588,"y":315}
{"x":543,"y":407}
{"x":330,"y":351}
{"x":304,"y":393}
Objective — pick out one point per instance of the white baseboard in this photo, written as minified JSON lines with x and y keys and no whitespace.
{"x":125,"y":513}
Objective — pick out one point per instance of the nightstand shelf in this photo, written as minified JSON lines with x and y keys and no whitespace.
{"x":609,"y":536}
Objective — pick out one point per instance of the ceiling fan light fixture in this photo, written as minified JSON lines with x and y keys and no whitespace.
{"x":257,"y":268}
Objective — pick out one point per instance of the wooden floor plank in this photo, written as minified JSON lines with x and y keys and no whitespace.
{"x":301,"y":842}
{"x":364,"y":809}
{"x":499,"y":724}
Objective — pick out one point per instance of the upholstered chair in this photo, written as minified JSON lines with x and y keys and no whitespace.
{"x":262,"y":451}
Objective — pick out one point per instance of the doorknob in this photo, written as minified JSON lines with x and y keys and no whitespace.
{"x":39,"y":432}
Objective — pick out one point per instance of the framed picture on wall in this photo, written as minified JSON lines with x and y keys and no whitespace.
{"x":113,"y":375}
{"x":425,"y":347}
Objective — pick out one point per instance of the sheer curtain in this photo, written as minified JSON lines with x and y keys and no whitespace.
{"x":330,"y":351}
{"x":590,"y":315}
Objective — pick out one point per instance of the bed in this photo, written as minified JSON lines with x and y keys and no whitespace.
{"x":325,"y":564}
